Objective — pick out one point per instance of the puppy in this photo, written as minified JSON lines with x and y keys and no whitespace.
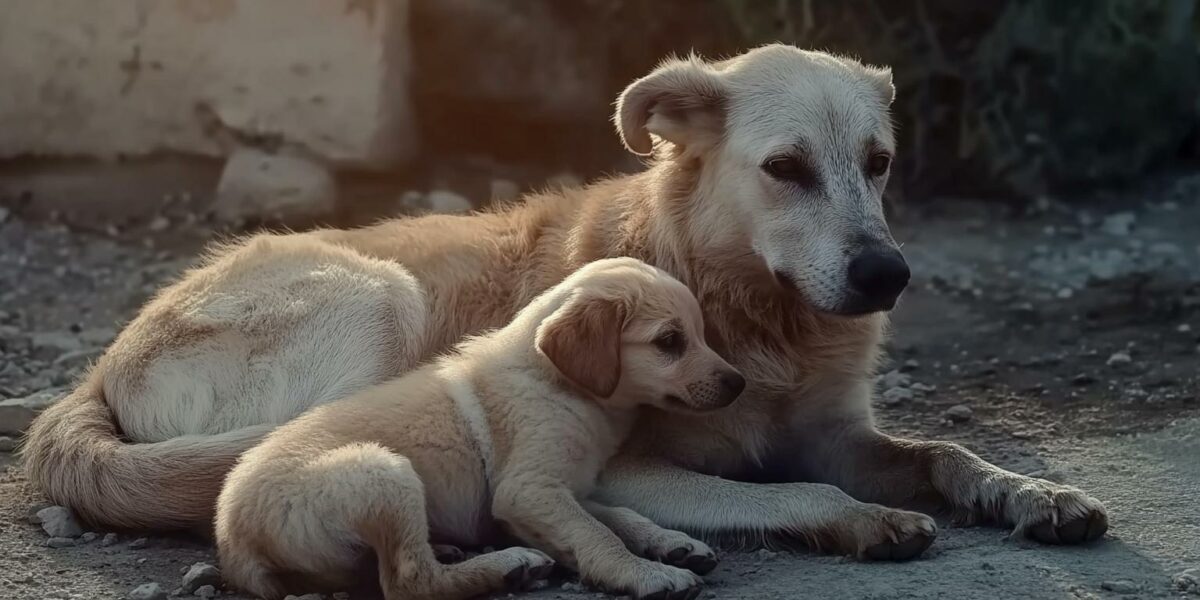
{"x":505,"y":435}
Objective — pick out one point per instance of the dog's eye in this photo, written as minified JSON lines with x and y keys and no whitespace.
{"x":878,"y":164}
{"x":671,"y":342}
{"x":788,"y":168}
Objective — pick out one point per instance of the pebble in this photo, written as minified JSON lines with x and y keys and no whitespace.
{"x":1118,"y":359}
{"x":445,"y":201}
{"x":7,"y":444}
{"x":894,"y":378}
{"x":139,"y":543}
{"x":89,"y":537}
{"x":346,"y":595}
{"x":109,"y":539}
{"x":924,"y":388}
{"x":959,"y":413}
{"x":1188,"y":581}
{"x":205,"y":591}
{"x":1184,"y":328}
{"x":160,"y":223}
{"x":571,"y":586}
{"x":148,"y":591}
{"x":1120,"y":586}
{"x":57,"y":521}
{"x":1065,"y":293}
{"x":60,"y":542}
{"x":17,"y":413}
{"x":200,"y":574}
{"x":1119,"y":224}
{"x":305,"y":597}
{"x":1082,"y":379}
{"x":897,"y":395}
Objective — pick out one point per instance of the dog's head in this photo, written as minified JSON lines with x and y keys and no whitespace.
{"x":631,"y":334}
{"x":795,"y":148}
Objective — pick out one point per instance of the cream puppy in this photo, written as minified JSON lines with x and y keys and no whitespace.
{"x":507,"y":434}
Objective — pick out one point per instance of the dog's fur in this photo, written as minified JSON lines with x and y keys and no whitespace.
{"x":514,"y":425}
{"x":249,"y":340}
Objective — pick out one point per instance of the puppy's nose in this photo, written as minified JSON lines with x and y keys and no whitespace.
{"x":732,"y":383}
{"x":879,"y":275}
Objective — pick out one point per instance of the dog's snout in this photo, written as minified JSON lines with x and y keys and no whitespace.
{"x":732,"y":383}
{"x":879,"y":275}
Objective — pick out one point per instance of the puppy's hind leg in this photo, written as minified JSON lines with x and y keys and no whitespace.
{"x":379,"y":496}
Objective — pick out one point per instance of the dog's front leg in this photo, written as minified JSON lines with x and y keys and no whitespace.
{"x":546,"y":514}
{"x":874,"y":467}
{"x":822,"y":515}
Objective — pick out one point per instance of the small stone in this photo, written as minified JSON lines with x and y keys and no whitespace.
{"x":1188,"y":581}
{"x":911,"y":364}
{"x":159,"y":223}
{"x":959,"y":413}
{"x":896,"y":396}
{"x":1184,"y":328}
{"x":1065,"y":293}
{"x":205,"y":591}
{"x":445,"y":201}
{"x":60,"y":542}
{"x":257,"y":184}
{"x":32,"y":512}
{"x":571,"y":586}
{"x":139,"y":543}
{"x":57,"y":521}
{"x":1118,"y":359}
{"x":341,"y":596}
{"x":1082,"y":379}
{"x":1120,"y":586}
{"x":108,"y":539}
{"x":17,"y":413}
{"x":89,"y":537}
{"x":7,"y":444}
{"x":200,"y":574}
{"x":148,"y":591}
{"x":503,"y":190}
{"x":1118,"y":224}
{"x":924,"y":388}
{"x":894,"y":378}
{"x":306,"y":597}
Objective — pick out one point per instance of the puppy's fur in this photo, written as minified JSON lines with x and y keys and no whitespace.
{"x":513,"y":425}
{"x":278,"y":324}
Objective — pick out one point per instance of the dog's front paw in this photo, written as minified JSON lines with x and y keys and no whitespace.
{"x":1054,"y":514}
{"x":527,"y":566}
{"x":880,"y":533}
{"x":655,"y":581}
{"x":678,"y":549}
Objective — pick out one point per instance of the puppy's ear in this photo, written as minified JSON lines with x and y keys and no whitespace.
{"x":682,"y":101}
{"x":881,"y":80}
{"x":583,"y":341}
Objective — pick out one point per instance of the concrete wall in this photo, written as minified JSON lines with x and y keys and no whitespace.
{"x":110,"y":78}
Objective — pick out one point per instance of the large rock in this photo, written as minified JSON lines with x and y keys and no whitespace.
{"x":17,"y":413}
{"x":255,"y":183}
{"x":113,"y":78}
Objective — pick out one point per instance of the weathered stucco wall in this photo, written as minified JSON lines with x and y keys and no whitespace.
{"x":110,"y":78}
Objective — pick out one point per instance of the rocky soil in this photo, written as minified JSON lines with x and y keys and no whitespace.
{"x":1063,"y":341}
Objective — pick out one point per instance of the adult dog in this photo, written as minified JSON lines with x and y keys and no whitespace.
{"x":764,"y":197}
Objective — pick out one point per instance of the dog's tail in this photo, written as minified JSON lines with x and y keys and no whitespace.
{"x":74,"y":453}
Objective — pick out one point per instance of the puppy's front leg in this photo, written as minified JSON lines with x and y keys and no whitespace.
{"x":822,"y":515}
{"x":645,"y":538}
{"x":546,"y":514}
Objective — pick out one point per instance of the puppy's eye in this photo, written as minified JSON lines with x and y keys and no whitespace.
{"x":878,"y":164}
{"x":671,"y":342}
{"x":790,"y":168}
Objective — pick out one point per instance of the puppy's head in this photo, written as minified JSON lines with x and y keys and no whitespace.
{"x":795,"y":148}
{"x":630,"y":334}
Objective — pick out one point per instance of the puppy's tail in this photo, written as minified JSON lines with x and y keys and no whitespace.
{"x":74,"y":453}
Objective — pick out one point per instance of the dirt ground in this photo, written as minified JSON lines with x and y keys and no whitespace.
{"x":1062,"y":341}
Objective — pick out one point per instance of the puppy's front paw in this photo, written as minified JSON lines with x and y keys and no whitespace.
{"x":880,"y":533}
{"x":527,"y":566}
{"x":655,"y":581}
{"x":678,"y":549}
{"x":1054,"y":514}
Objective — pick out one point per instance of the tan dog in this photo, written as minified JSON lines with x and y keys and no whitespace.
{"x":763,"y":197}
{"x":513,"y":425}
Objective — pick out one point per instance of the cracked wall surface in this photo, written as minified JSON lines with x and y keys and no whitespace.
{"x":126,"y":78}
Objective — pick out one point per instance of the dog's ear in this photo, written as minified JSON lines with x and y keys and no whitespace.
{"x":881,"y":80}
{"x":583,"y":341}
{"x":682,"y":101}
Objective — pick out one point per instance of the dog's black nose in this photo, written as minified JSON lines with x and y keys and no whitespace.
{"x":879,"y":276}
{"x":732,"y":384}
